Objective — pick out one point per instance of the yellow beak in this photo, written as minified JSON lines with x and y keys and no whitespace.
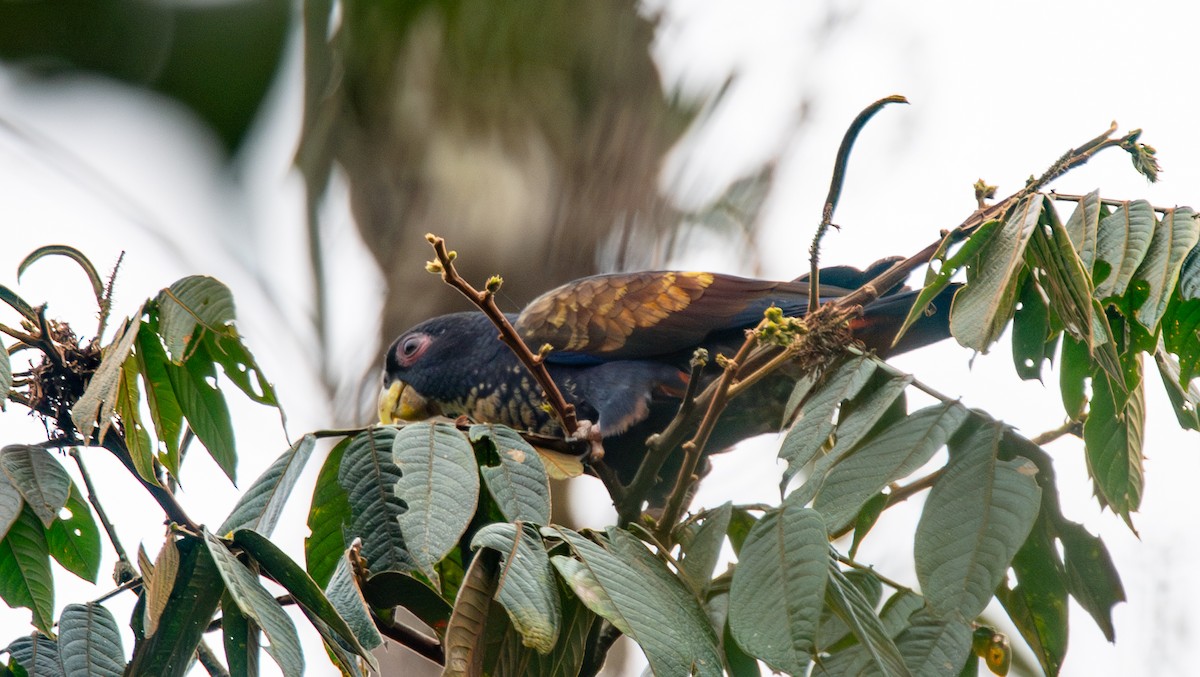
{"x":400,"y":402}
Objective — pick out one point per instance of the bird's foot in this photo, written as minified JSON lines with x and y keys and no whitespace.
{"x":590,"y":432}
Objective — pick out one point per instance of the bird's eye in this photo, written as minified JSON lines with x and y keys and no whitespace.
{"x":411,"y":348}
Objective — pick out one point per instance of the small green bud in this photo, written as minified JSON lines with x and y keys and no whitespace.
{"x":493,"y":284}
{"x":545,"y":350}
{"x":434,"y":267}
{"x":774,"y":314}
{"x":452,"y":255}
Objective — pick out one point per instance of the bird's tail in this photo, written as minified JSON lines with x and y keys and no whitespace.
{"x":883,"y":317}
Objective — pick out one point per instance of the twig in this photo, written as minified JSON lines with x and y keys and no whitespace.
{"x":95,"y":501}
{"x":1068,"y":428}
{"x":127,"y":585}
{"x":19,"y":335}
{"x":106,"y":298}
{"x":835,"y":193}
{"x":871,"y":570}
{"x":418,"y":642}
{"x":486,"y":301}
{"x":206,"y":657}
{"x":165,"y":499}
{"x":601,"y":638}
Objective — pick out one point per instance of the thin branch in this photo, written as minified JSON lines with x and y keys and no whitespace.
{"x":486,"y":302}
{"x":127,"y":585}
{"x":165,"y":499}
{"x":92,"y":498}
{"x":27,"y":339}
{"x":871,"y":570}
{"x":416,"y":641}
{"x":208,"y":659}
{"x":835,"y":193}
{"x":106,"y":297}
{"x":1068,"y":428}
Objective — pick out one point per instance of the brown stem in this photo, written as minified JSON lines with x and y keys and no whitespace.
{"x":207,"y":658}
{"x":871,"y":570}
{"x":485,"y":301}
{"x":95,"y":501}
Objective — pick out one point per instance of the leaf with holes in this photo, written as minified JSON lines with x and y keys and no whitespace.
{"x":195,"y":302}
{"x":982,"y":309}
{"x":74,"y":540}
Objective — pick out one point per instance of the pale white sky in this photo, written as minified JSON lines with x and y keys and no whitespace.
{"x":997,"y":91}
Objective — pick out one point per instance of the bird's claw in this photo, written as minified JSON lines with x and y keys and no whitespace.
{"x":589,"y":432}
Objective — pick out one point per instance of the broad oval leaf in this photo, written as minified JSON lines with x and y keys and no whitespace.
{"x":10,"y":504}
{"x":260,"y":506}
{"x":1037,"y":601}
{"x":933,"y":646}
{"x":193,"y":302}
{"x":258,"y":604}
{"x":778,"y":588}
{"x":1113,"y":442}
{"x":165,"y":414}
{"x":25,"y":578}
{"x":74,"y":540}
{"x":89,"y":641}
{"x":526,"y":584}
{"x":38,"y":655}
{"x":39,"y":477}
{"x":328,"y":515}
{"x":203,"y":404}
{"x":519,"y":484}
{"x":976,"y":518}
{"x":895,"y":453}
{"x":1174,"y":237}
{"x":813,"y":421}
{"x":631,"y":588}
{"x":368,"y":476}
{"x":1121,"y":243}
{"x":700,"y":546}
{"x":439,"y":481}
{"x":982,"y":308}
{"x":1082,"y":227}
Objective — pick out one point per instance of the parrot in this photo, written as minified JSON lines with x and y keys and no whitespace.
{"x":621,"y":347}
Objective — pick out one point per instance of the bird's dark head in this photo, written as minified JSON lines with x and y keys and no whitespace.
{"x":428,"y":369}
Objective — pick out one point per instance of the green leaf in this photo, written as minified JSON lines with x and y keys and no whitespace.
{"x":75,"y":540}
{"x":858,"y":614}
{"x":814,"y":420}
{"x":935,"y":646}
{"x":305,"y":591}
{"x":39,"y":477}
{"x":982,"y":309}
{"x":258,"y":605}
{"x":1037,"y":604}
{"x":158,"y":583}
{"x":240,"y":367}
{"x":25,"y":578}
{"x":259,"y":508}
{"x":10,"y":504}
{"x":937,"y":280}
{"x":1082,"y":227}
{"x":1181,"y":336}
{"x":240,"y":637}
{"x":519,"y":484}
{"x":99,"y":399}
{"x":194,"y":598}
{"x":38,"y":655}
{"x":1076,"y":369}
{"x":634,"y":590}
{"x":204,"y":406}
{"x":89,"y":641}
{"x":975,"y":519}
{"x":778,"y":587}
{"x":1189,"y":276}
{"x":567,"y":657}
{"x":1031,"y":344}
{"x":439,"y":482}
{"x":165,"y":413}
{"x":369,"y":477}
{"x":1121,"y":243}
{"x":1092,"y":578}
{"x":867,"y":516}
{"x":1184,"y":401}
{"x":191,"y":303}
{"x":393,"y":588}
{"x":468,"y":631}
{"x":526,"y":584}
{"x":1174,"y":237}
{"x":73,"y":254}
{"x":700,"y":546}
{"x":328,"y":515}
{"x":1113,"y":441}
{"x":894,"y":454}
{"x":137,"y":439}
